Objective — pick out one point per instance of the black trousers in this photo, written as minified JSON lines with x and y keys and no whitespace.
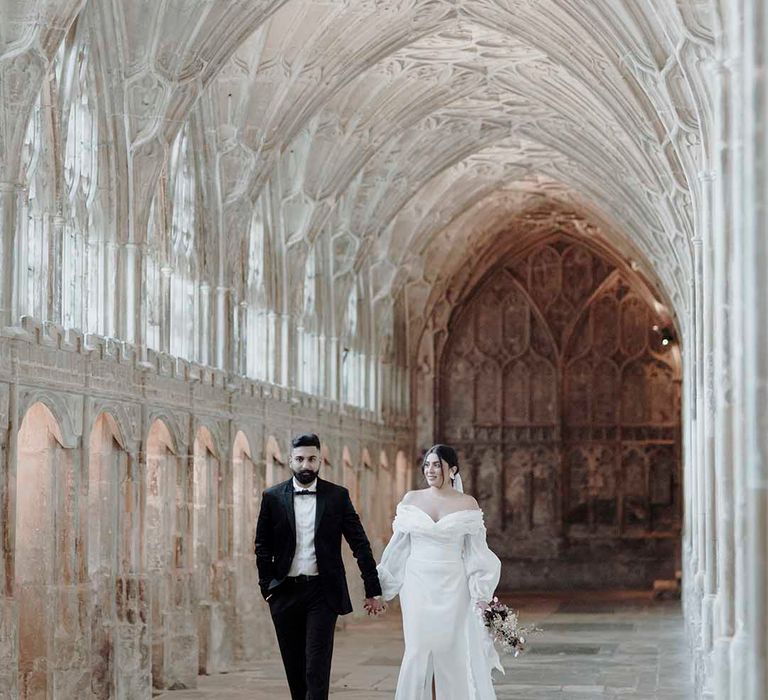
{"x":304,"y":623}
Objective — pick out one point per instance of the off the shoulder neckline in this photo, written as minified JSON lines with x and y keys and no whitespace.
{"x":447,"y":515}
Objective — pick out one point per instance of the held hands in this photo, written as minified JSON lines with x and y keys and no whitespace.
{"x":374,"y":606}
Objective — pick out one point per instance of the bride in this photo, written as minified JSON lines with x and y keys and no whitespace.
{"x":439,"y":563}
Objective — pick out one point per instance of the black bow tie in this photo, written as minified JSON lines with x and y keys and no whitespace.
{"x":305,"y":493}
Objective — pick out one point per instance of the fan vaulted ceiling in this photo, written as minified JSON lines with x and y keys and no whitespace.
{"x":409,"y":131}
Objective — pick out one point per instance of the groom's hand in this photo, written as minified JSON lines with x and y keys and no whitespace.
{"x":374,"y":606}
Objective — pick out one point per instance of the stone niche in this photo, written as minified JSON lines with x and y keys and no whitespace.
{"x":558,"y":388}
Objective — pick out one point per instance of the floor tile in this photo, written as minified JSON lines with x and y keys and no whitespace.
{"x":621,"y":646}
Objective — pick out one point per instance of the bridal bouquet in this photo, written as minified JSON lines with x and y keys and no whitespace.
{"x":503,"y":624}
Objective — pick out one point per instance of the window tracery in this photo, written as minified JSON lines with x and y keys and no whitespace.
{"x":184,"y":278}
{"x":83,"y":286}
{"x":554,"y":391}
{"x":35,"y":216}
{"x":63,"y":244}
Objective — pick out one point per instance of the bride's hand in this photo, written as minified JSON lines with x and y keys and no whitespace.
{"x":374,"y":606}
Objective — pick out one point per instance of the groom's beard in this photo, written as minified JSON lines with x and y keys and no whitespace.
{"x":305,"y":476}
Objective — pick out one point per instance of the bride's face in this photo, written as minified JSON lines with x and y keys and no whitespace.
{"x":436,"y":472}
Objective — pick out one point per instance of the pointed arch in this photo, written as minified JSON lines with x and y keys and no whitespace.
{"x":275,"y":463}
{"x":47,"y":562}
{"x":167,"y":556}
{"x":550,"y":371}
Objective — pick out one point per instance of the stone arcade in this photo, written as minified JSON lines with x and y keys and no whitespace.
{"x":533,"y":228}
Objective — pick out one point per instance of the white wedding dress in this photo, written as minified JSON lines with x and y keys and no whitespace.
{"x":441,"y":570}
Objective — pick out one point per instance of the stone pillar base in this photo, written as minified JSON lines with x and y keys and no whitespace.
{"x":739,"y":666}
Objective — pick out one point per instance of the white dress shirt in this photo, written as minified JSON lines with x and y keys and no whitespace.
{"x":304,"y":508}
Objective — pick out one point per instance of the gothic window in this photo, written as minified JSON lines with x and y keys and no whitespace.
{"x":83,"y":251}
{"x":62,"y":251}
{"x":184,"y":280}
{"x":34,"y":233}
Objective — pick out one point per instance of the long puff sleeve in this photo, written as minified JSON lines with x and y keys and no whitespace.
{"x":482,"y":565}
{"x":392,"y":567}
{"x":483,"y":569}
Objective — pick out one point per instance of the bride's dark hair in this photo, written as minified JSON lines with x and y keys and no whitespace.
{"x":446,"y":454}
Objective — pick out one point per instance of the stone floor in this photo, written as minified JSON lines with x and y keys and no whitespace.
{"x":605,"y":645}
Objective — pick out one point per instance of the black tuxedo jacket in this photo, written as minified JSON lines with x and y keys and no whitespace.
{"x":335,"y":516}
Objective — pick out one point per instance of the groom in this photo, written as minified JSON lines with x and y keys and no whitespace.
{"x":301,"y":574}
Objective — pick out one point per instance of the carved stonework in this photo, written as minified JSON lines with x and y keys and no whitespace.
{"x":66,"y":408}
{"x":565,"y":405}
{"x":126,"y":415}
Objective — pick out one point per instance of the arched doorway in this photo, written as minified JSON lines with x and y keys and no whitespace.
{"x":351,"y":481}
{"x":111,"y":503}
{"x":275,"y":464}
{"x":213,"y":539}
{"x":351,"y":477}
{"x":167,"y":526}
{"x":560,"y":384}
{"x":48,"y":566}
{"x":253,"y":629}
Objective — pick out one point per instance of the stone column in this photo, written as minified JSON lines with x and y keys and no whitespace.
{"x":9,"y":644}
{"x":204,"y":319}
{"x":707,"y":417}
{"x":165,"y":308}
{"x":55,"y":267}
{"x":133,"y":649}
{"x":740,"y":643}
{"x":286,"y":353}
{"x":241,"y":349}
{"x":738,"y":649}
{"x":698,"y":505}
{"x":273,"y":347}
{"x":725,"y":465}
{"x":222,"y":356}
{"x":8,"y":197}
{"x":321,"y":362}
{"x":333,"y":362}
{"x":129,"y":294}
{"x":689,"y":491}
{"x":753,"y":262}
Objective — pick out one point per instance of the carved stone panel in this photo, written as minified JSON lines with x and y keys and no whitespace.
{"x":565,"y":406}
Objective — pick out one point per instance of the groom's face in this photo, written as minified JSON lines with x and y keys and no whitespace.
{"x":305,"y":463}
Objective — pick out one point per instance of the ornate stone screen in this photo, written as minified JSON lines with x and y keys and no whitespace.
{"x":558,"y":388}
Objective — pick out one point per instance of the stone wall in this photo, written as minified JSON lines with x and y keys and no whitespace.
{"x":559,"y":382}
{"x":130,"y":489}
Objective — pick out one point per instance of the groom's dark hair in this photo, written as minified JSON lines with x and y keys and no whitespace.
{"x":306,"y":440}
